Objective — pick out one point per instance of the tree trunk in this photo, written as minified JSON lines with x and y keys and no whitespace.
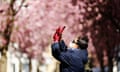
{"x":3,"y":63}
{"x":30,"y":65}
{"x":110,"y":65}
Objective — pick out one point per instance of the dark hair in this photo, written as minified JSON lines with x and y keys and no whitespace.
{"x":82,"y":42}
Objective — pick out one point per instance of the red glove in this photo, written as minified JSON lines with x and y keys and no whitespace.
{"x":58,"y":34}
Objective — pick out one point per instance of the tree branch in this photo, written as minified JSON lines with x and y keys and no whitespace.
{"x":19,"y":7}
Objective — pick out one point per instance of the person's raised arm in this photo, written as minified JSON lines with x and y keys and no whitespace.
{"x":58,"y":45}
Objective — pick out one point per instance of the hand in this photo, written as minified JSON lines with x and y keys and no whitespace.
{"x":58,"y":34}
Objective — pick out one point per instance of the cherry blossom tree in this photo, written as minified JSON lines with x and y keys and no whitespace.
{"x":31,"y":24}
{"x":8,"y":13}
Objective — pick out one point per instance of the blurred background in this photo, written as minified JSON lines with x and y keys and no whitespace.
{"x":27,"y":26}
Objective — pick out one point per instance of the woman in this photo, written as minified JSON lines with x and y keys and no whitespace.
{"x":72,"y":59}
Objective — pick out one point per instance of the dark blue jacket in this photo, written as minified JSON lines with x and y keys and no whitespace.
{"x":72,"y":60}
